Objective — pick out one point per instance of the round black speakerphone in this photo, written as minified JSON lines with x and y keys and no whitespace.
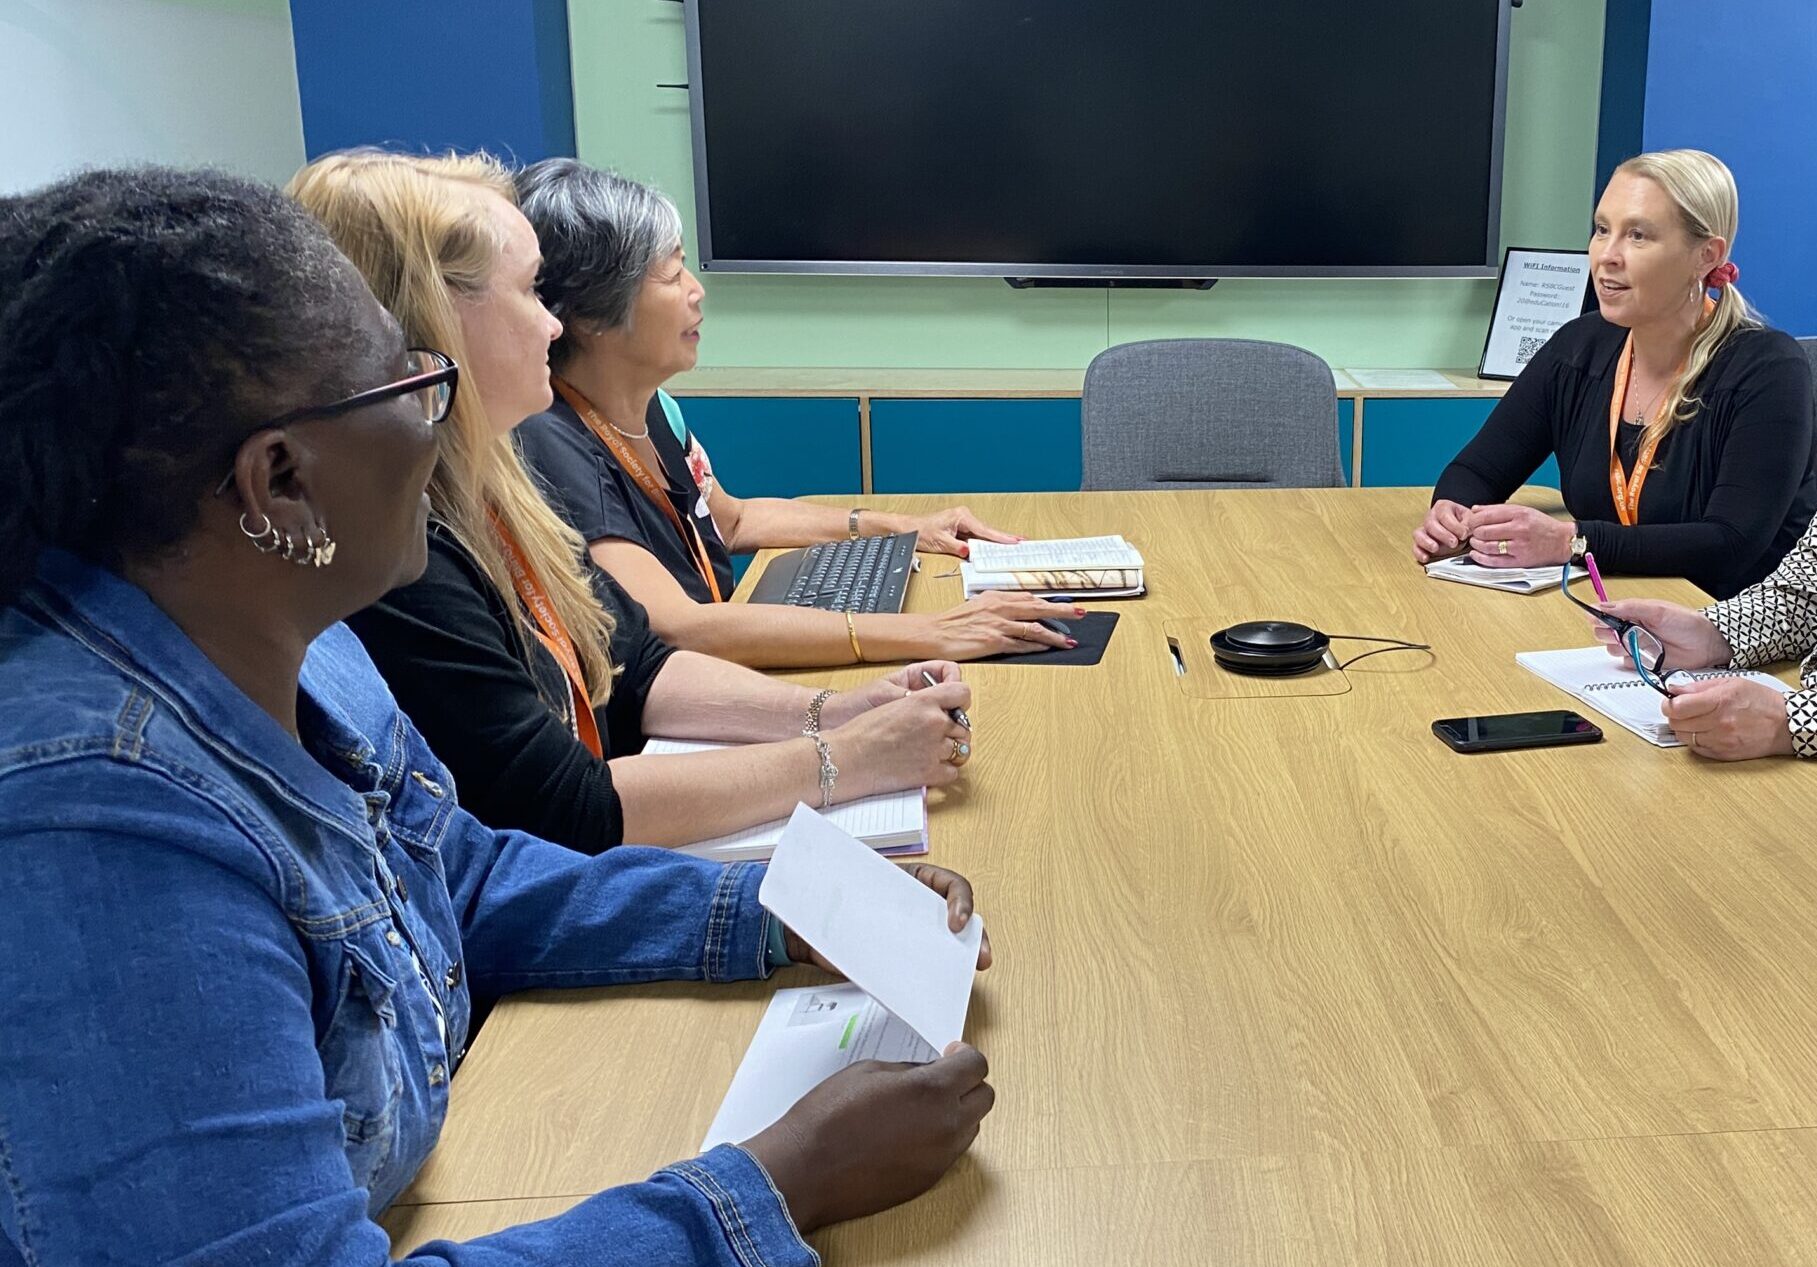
{"x":1269,"y":648}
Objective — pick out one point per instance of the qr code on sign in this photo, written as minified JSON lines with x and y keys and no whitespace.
{"x":1528,"y":346}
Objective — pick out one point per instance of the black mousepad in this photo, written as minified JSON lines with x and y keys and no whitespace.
{"x":1092,"y":630}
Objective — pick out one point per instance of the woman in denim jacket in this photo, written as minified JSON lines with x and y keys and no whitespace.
{"x":242,"y":909}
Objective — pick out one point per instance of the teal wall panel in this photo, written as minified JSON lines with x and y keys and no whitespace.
{"x":1347,"y":437}
{"x":771,"y":447}
{"x":1408,"y":442}
{"x":975,"y":446}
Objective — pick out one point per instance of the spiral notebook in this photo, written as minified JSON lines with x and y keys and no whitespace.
{"x":1592,"y":676}
{"x":893,"y":823}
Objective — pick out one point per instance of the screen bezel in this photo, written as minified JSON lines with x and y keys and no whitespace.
{"x":708,"y":262}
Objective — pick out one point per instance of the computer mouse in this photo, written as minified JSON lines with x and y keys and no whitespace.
{"x":1057,"y":626}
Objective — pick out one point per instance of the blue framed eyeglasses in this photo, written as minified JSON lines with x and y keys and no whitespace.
{"x":1647,"y":652}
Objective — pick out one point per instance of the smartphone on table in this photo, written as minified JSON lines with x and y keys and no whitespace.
{"x":1501,"y":731}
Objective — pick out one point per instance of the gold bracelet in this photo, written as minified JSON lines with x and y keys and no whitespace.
{"x":851,"y":631}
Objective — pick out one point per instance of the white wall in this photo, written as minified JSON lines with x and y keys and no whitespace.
{"x":89,"y":82}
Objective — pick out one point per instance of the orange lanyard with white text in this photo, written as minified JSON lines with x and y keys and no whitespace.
{"x":627,"y":458}
{"x":553,"y":635}
{"x":1626,"y":491}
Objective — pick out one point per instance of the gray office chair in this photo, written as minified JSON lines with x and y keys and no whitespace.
{"x":1810,"y":354}
{"x":1210,"y":413}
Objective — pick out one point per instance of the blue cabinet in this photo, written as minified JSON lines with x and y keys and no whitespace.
{"x":765,"y":446}
{"x":1028,"y":445}
{"x":1408,"y":442}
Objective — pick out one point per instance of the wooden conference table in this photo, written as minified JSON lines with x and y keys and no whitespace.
{"x":1283,"y":980}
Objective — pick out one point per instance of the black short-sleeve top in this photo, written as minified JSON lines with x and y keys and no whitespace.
{"x":496,"y":707}
{"x":588,"y":487}
{"x":1730,"y":491}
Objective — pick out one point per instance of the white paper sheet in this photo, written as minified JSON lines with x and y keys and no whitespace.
{"x":1463,"y":569}
{"x":806,"y":1036}
{"x":1061,"y":554}
{"x":1401,"y":380}
{"x":882,"y":928}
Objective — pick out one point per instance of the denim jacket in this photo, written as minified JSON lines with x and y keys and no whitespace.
{"x":234,"y":974}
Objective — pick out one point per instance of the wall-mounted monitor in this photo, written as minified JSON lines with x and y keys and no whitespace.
{"x":1078,"y":138}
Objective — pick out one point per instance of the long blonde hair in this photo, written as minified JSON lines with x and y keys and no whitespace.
{"x":1703,"y":189}
{"x":414,"y":227}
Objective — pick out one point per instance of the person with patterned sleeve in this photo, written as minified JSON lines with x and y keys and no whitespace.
{"x":1733,"y":719}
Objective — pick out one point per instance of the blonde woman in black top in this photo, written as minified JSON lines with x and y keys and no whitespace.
{"x":502,"y":654}
{"x":1682,"y":426}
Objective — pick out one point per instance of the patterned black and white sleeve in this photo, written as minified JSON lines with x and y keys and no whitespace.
{"x":1777,"y":620}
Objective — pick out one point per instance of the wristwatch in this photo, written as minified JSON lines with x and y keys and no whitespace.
{"x":1580,"y":546}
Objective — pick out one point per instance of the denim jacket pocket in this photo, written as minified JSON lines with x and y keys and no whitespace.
{"x":361,"y":1062}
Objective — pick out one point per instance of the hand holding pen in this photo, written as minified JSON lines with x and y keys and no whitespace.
{"x":957,"y":714}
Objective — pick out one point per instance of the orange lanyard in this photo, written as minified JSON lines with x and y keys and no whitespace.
{"x":627,"y":458}
{"x":1624,"y":489}
{"x":553,"y":635}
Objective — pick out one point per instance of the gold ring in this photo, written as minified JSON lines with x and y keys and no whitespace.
{"x":958,"y":753}
{"x":1501,"y":547}
{"x":1693,"y":736}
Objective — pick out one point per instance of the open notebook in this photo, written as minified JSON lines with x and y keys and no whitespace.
{"x":893,"y":823}
{"x":1096,"y":567}
{"x":1611,"y":686}
{"x":1463,"y":569}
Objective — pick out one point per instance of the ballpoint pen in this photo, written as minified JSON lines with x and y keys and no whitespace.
{"x":957,"y":714}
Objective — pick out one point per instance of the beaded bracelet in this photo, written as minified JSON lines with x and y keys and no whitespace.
{"x":812,"y":727}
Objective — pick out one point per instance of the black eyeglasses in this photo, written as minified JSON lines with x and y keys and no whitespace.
{"x":432,"y":380}
{"x":1647,"y":652}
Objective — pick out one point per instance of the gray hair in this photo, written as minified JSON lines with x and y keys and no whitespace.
{"x":601,"y":234}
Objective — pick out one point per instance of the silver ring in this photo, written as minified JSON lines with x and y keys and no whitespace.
{"x":1693,"y":737}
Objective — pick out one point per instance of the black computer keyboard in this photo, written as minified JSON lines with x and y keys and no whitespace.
{"x":869,"y":574}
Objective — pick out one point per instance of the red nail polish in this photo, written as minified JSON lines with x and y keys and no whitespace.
{"x":1072,"y":642}
{"x":965,"y":552}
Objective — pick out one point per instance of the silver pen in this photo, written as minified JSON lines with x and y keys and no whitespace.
{"x":957,"y":714}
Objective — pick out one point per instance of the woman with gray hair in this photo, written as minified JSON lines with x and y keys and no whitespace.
{"x":625,"y":472}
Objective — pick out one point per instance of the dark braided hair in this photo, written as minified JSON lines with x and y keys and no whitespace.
{"x":150,"y":320}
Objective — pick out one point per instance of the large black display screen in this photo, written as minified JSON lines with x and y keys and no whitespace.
{"x":1207,"y":137}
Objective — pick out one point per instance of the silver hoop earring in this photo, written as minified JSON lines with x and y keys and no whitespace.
{"x":266,"y":540}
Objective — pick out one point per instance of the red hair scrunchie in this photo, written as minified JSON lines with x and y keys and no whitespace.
{"x":1720,"y":276}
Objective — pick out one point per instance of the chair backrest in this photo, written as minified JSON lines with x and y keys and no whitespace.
{"x":1810,"y":354}
{"x":1210,"y":413}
